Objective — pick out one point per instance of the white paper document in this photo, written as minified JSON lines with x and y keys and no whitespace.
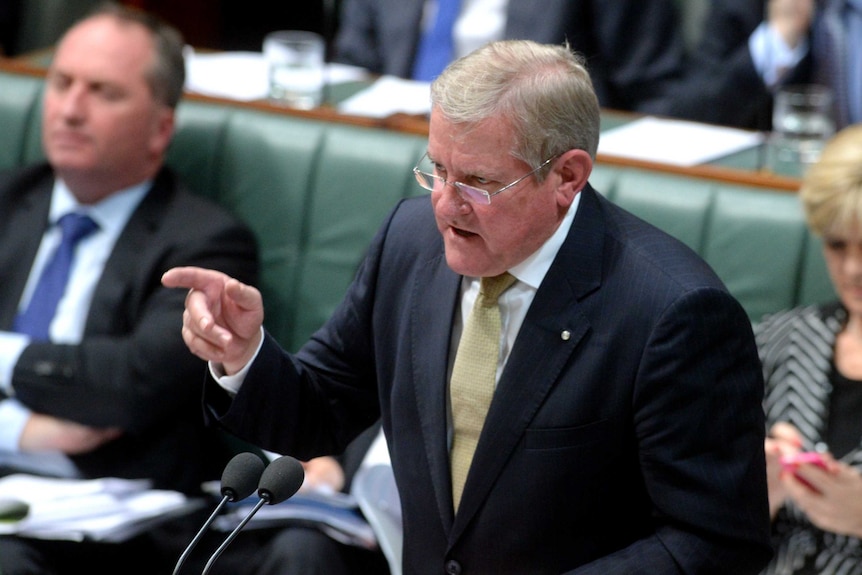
{"x":236,"y":75}
{"x":107,"y":509}
{"x":387,"y":96}
{"x":245,"y":76}
{"x":675,"y":142}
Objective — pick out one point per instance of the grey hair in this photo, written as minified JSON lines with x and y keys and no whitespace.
{"x":544,"y":92}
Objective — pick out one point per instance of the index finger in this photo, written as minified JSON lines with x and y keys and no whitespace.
{"x":192,"y":278}
{"x":783,"y":431}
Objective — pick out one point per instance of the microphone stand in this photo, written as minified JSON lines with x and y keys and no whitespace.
{"x":263,"y":501}
{"x":200,"y":534}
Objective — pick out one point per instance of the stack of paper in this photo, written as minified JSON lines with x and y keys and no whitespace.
{"x":107,"y":509}
{"x":333,"y":512}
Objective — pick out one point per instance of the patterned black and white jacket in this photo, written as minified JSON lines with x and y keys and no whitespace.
{"x":796,"y":349}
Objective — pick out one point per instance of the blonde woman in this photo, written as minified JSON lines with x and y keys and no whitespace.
{"x":812,"y":358}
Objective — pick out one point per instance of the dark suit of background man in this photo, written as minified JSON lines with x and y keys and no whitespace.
{"x":633,"y":47}
{"x":8,"y":25}
{"x":626,"y":431}
{"x":749,"y":49}
{"x":113,"y":389}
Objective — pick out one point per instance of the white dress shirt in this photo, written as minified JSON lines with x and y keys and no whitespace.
{"x":480,"y":22}
{"x":68,"y":324}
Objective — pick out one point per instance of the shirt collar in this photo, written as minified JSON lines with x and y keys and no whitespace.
{"x":111,"y":213}
{"x":532,"y":270}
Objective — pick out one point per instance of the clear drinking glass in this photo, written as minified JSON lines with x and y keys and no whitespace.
{"x":295,"y":59}
{"x":802,"y":121}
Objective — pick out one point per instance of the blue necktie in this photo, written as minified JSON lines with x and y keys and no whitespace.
{"x":36,"y":319}
{"x":435,"y":47}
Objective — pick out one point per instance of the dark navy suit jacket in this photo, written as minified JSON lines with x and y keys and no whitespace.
{"x":626,"y":433}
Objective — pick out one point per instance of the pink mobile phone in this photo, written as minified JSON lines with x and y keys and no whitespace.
{"x":792,"y":462}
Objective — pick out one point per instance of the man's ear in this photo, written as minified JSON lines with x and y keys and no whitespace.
{"x":573,"y":169}
{"x":163,"y":130}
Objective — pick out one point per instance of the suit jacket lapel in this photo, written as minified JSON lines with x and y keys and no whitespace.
{"x":431,"y":328}
{"x":120,"y":273}
{"x":552,"y":329}
{"x":19,"y":243}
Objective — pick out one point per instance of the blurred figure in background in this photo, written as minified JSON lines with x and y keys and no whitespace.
{"x":633,"y":47}
{"x":8,"y":25}
{"x":94,"y":374}
{"x":812,"y":358}
{"x":750,"y":48}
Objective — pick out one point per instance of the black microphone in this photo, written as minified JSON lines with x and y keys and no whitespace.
{"x":239,"y":479}
{"x":279,"y":481}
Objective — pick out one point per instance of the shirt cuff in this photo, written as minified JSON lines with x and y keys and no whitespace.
{"x":232,"y":383}
{"x":11,"y":346}
{"x":772,"y":57}
{"x":13,"y":418}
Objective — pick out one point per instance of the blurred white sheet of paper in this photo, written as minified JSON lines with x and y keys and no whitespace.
{"x":109,"y":509}
{"x":675,"y":142}
{"x":244,"y":75}
{"x":387,"y":96}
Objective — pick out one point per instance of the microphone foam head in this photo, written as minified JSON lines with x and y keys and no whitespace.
{"x":280,"y":480}
{"x":241,"y":476}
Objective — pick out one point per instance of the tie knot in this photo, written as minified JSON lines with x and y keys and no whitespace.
{"x":490,"y":288}
{"x":76,"y":226}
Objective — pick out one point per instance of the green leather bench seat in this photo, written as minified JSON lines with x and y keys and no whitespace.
{"x":315,"y":192}
{"x":19,"y":119}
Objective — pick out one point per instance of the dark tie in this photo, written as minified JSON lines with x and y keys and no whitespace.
{"x":435,"y":47}
{"x":474,"y":376}
{"x":854,"y":60}
{"x":831,"y":56}
{"x":36,"y":319}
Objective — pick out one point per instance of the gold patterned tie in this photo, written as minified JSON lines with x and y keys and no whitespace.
{"x":474,"y":376}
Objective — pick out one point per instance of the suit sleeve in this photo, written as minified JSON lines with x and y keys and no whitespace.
{"x":720,"y":84}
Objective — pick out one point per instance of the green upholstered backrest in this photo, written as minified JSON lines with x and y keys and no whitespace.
{"x":678,"y":205}
{"x":359,"y":177}
{"x":20,"y":121}
{"x":313,"y":192}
